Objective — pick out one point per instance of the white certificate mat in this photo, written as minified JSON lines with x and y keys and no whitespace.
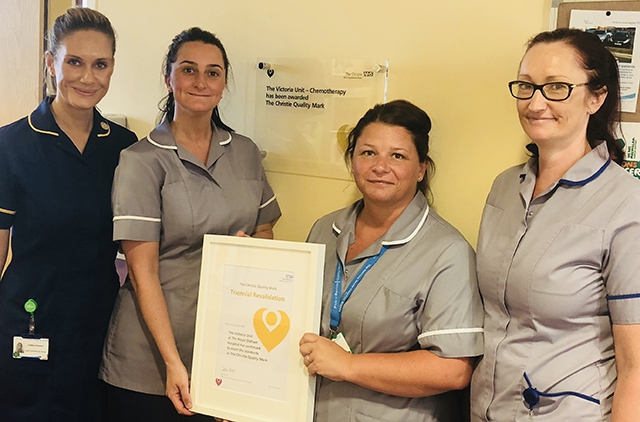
{"x":257,"y":298}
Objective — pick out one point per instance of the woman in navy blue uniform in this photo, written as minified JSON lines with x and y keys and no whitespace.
{"x":56,"y":172}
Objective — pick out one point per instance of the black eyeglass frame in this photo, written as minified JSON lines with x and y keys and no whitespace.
{"x":540,"y":88}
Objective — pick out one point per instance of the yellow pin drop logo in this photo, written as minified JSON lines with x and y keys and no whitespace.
{"x":342,"y":136}
{"x":271,"y":327}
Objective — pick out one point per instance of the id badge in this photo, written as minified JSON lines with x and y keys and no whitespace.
{"x":30,"y":348}
{"x":342,"y":342}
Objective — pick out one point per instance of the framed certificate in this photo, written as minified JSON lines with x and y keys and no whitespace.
{"x":257,"y":298}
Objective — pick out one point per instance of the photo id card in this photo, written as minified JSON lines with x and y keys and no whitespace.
{"x":342,"y":342}
{"x":30,"y":348}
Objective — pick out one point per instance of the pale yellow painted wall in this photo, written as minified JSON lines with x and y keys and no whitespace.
{"x":20,"y":53}
{"x":57,"y":8}
{"x":452,"y":58}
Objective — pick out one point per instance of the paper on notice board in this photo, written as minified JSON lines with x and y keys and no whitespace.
{"x":631,"y":138}
{"x":618,"y":32}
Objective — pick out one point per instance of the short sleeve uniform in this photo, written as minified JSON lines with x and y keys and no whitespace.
{"x":56,"y":201}
{"x":420,"y":294}
{"x":555,"y":272}
{"x":162,"y":193}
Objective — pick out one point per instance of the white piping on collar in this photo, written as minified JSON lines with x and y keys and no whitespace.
{"x":401,"y":241}
{"x":412,"y":235}
{"x":155,"y":144}
{"x":226,"y":141}
{"x":273,"y":198}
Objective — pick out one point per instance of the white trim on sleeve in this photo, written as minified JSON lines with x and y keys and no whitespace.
{"x":451,"y":331}
{"x":273,"y":198}
{"x":137,"y":218}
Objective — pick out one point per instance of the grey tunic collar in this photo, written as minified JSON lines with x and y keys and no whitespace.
{"x":587,"y":169}
{"x":162,"y":137}
{"x":582,"y":172}
{"x":401,"y":232}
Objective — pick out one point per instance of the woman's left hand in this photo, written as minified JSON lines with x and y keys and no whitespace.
{"x":177,"y":388}
{"x":324,"y":357}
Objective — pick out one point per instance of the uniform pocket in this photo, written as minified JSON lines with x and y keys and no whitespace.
{"x":177,"y":210}
{"x":572,"y":263}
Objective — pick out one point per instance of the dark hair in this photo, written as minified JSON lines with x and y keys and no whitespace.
{"x":406,"y":115}
{"x":602,"y":68}
{"x":76,"y":19}
{"x":167,"y":105}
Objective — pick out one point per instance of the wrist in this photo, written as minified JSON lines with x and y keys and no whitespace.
{"x":350,"y":367}
{"x":173,"y":362}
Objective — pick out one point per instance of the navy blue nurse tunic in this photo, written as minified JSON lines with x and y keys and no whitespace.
{"x":56,"y":201}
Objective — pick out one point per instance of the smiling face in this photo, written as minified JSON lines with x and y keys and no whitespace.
{"x":385,"y":165}
{"x":82,"y":67}
{"x":554,"y":124}
{"x":197,"y":78}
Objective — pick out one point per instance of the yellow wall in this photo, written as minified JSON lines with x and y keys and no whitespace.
{"x":20,"y":58}
{"x":452,"y":58}
{"x":57,"y":8}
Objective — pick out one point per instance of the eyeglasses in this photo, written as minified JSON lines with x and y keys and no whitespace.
{"x":552,"y":91}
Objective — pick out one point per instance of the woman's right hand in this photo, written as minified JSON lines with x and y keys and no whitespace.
{"x":177,"y":388}
{"x":325,"y":357}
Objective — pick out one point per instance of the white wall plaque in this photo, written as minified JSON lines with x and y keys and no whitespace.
{"x":306,"y":107}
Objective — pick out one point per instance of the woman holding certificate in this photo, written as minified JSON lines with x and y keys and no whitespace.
{"x":192,"y":175}
{"x":402,"y":317}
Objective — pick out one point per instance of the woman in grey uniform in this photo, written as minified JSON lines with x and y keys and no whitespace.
{"x":402,"y":317}
{"x":192,"y":175}
{"x":558,"y":249}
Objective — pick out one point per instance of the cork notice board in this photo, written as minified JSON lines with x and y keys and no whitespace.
{"x":607,"y":7}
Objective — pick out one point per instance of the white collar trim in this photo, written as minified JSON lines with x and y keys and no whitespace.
{"x":226,"y":141}
{"x":155,"y":144}
{"x":399,"y":241}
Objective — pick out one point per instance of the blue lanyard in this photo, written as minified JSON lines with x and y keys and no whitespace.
{"x":338,"y":300}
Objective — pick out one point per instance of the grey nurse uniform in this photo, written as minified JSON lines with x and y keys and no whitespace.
{"x":162,"y":193}
{"x":555,"y":272}
{"x":421,"y":294}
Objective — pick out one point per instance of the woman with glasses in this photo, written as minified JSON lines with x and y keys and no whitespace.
{"x":558,"y":263}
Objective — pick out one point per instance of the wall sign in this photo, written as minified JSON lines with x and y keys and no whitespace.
{"x":304,"y":109}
